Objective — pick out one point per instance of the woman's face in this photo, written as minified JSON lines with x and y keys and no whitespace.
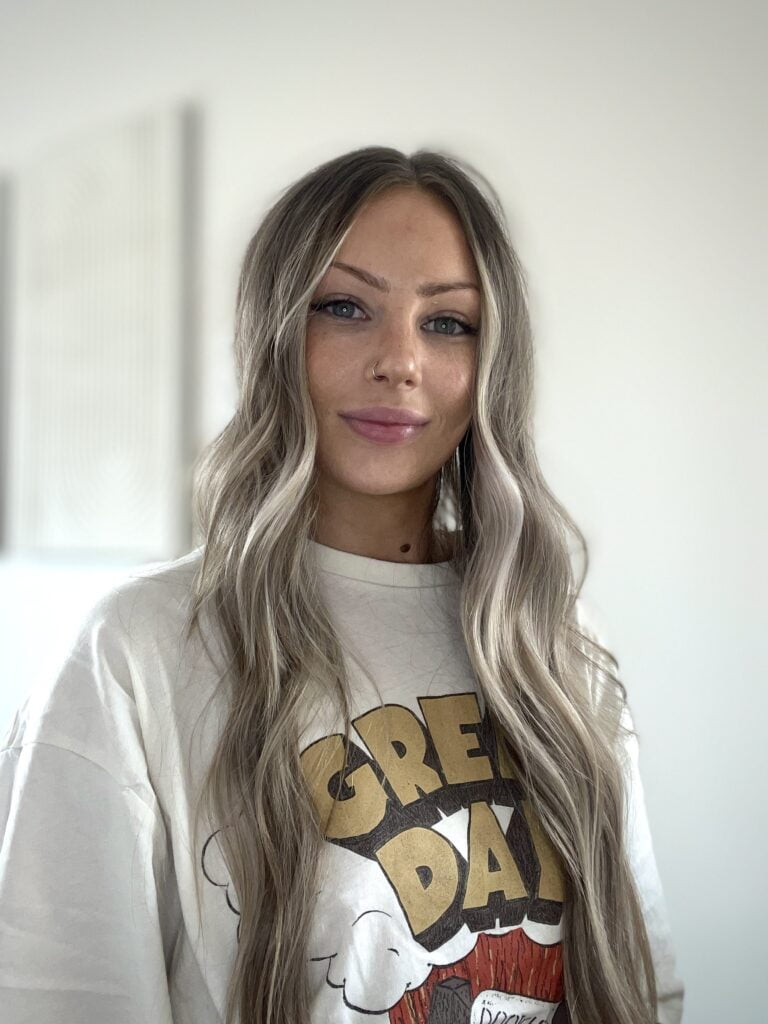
{"x":424,"y":356}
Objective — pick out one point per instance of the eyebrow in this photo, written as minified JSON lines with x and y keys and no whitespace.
{"x":384,"y":286}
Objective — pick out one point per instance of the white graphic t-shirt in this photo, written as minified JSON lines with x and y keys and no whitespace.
{"x":440,"y":897}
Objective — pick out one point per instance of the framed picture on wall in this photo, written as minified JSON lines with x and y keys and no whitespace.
{"x":100,"y":344}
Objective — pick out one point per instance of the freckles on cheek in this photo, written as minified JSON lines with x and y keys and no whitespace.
{"x":315,"y":356}
{"x":326,"y":370}
{"x":458,"y":383}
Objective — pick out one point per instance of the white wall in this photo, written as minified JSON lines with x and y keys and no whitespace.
{"x":628,"y":142}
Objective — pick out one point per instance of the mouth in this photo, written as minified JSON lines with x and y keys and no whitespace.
{"x":384,"y":433}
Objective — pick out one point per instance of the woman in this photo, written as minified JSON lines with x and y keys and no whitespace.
{"x":357,"y":757}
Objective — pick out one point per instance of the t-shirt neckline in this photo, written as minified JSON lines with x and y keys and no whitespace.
{"x":375,"y":570}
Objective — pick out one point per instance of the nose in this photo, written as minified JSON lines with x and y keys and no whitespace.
{"x":396,"y":353}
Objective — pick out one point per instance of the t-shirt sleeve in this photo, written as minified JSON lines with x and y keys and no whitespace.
{"x":669,"y":986}
{"x":670,"y":989}
{"x":87,"y":917}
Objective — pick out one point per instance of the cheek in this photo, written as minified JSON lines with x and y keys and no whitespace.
{"x":324,"y":370}
{"x":461,"y":388}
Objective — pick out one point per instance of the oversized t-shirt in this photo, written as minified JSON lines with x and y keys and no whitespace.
{"x":440,"y":897}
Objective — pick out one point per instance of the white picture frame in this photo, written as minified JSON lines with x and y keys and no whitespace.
{"x":101,"y":345}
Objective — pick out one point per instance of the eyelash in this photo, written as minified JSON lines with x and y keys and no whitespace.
{"x":319,"y":307}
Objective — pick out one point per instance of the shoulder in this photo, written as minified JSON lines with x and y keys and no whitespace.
{"x":144,"y":613}
{"x":116,"y":657}
{"x":589,"y":619}
{"x":607,"y":689}
{"x":156,"y":593}
{"x":139,"y":633}
{"x":590,"y":624}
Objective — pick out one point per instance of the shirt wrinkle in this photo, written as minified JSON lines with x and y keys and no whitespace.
{"x":129,"y":787}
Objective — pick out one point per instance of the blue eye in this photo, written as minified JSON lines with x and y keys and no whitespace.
{"x":319,"y":307}
{"x":466,"y":328}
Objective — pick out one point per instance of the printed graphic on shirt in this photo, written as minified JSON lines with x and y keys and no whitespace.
{"x":442,"y":897}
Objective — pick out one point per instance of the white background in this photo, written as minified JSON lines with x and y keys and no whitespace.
{"x":628,"y":142}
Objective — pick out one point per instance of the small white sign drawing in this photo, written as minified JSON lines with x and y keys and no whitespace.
{"x":492,"y":1007}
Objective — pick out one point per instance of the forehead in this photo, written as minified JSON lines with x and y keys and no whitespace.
{"x":408,"y":233}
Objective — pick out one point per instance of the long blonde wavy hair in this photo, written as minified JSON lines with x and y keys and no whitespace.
{"x":548,"y":684}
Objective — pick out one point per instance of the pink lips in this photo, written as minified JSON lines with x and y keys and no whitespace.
{"x":386,"y":414}
{"x":385,"y":424}
{"x":386,"y":433}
